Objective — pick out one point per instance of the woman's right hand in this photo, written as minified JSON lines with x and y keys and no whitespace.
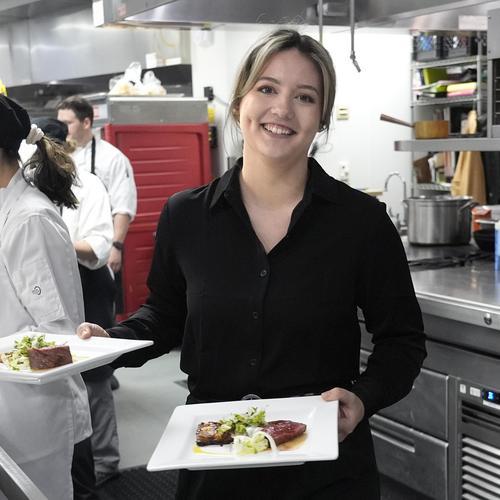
{"x":87,"y":330}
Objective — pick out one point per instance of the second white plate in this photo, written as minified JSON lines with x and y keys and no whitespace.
{"x":87,"y":354}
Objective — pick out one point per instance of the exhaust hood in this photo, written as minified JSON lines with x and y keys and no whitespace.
{"x":418,"y":14}
{"x":18,"y":10}
{"x":212,"y":13}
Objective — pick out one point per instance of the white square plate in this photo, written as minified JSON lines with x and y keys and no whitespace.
{"x":177,"y":447}
{"x":87,"y":354}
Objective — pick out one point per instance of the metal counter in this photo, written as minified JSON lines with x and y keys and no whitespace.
{"x":14,"y":483}
{"x":469,"y":293}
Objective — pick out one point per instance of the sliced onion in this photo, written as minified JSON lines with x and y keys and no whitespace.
{"x":274,"y":448}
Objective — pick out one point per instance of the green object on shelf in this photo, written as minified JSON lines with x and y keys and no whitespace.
{"x":432,"y":75}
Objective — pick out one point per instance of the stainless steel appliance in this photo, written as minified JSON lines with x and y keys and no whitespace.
{"x":439,"y":220}
{"x":479,"y":439}
{"x":442,"y":441}
{"x":494,"y":73}
{"x":132,"y":110}
{"x":411,"y":438}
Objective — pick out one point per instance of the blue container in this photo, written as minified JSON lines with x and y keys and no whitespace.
{"x":497,"y":246}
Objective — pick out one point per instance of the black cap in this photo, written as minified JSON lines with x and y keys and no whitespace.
{"x":53,"y":128}
{"x":15,"y":124}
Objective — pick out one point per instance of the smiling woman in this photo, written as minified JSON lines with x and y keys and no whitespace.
{"x":281,"y":113}
{"x":280,"y":41}
{"x":260,"y":274}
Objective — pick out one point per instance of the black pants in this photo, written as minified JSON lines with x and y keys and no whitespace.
{"x":119,"y":304}
{"x":82,"y":472}
{"x":99,"y":292}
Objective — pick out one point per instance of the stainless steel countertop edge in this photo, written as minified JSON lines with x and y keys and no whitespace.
{"x":476,"y":313}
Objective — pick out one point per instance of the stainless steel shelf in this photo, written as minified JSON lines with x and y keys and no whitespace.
{"x":460,"y":144}
{"x":450,"y":62}
{"x":446,"y":100}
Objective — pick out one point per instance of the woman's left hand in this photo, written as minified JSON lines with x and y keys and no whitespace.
{"x":351,"y":410}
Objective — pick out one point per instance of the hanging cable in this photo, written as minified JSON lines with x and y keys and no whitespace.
{"x":353,"y":53}
{"x":320,"y":21}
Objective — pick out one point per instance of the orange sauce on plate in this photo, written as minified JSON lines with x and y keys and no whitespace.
{"x":293,"y":444}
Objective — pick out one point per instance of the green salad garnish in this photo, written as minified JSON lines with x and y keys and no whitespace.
{"x":18,"y":358}
{"x":237,"y":423}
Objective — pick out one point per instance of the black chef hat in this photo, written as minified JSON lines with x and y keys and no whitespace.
{"x":15,"y":124}
{"x":53,"y":128}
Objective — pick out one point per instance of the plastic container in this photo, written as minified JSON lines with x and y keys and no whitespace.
{"x":481,"y":212}
{"x":427,"y":47}
{"x":497,"y":246}
{"x":462,"y":45}
{"x":457,"y":45}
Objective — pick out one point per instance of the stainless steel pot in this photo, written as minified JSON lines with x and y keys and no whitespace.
{"x":439,"y":220}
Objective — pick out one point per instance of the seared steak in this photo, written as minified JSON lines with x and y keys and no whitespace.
{"x":49,"y":357}
{"x":284,"y":430}
{"x":207,"y":433}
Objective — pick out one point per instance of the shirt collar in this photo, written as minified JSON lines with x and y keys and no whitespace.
{"x":228,"y":182}
{"x":321,"y":184}
{"x":18,"y":176}
{"x":318,"y":183}
{"x":88,"y":145}
{"x":10,"y":194}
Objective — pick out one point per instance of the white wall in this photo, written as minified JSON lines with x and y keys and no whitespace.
{"x":383,"y":86}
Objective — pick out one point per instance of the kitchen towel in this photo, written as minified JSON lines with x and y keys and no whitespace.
{"x":469,"y":177}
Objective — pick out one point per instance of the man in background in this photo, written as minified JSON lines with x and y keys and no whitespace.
{"x":107,"y":162}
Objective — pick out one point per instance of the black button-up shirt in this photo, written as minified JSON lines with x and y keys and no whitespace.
{"x":283,"y":323}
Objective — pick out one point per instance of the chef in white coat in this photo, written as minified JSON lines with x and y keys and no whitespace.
{"x":101,"y":158}
{"x":41,"y":291}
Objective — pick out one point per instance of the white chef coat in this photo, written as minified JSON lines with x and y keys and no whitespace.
{"x":114,"y":170}
{"x":40,"y":291}
{"x":91,"y":220}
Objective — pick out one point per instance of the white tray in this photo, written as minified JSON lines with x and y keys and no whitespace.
{"x":87,"y":354}
{"x":177,"y":447}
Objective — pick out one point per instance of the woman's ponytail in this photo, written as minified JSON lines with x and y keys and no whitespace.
{"x":52,"y":171}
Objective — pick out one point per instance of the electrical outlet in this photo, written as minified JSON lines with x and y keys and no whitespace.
{"x":344,"y":171}
{"x":342,"y":113}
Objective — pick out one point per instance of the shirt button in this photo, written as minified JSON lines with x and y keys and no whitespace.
{"x":252,"y":362}
{"x":36,"y":290}
{"x":255,"y":315}
{"x":263,"y":273}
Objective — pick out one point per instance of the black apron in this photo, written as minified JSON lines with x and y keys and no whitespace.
{"x":99,"y":292}
{"x":119,"y":302}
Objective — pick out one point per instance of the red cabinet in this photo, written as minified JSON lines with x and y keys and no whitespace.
{"x":166,"y":159}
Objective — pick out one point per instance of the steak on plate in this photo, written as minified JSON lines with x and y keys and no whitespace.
{"x":284,"y":430}
{"x":208,"y":433}
{"x":49,"y":357}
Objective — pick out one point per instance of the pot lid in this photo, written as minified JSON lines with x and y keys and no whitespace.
{"x":442,"y":198}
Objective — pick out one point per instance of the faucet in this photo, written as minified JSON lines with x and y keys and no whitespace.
{"x":401,"y":226}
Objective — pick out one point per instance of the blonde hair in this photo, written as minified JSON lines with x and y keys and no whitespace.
{"x":278,"y":41}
